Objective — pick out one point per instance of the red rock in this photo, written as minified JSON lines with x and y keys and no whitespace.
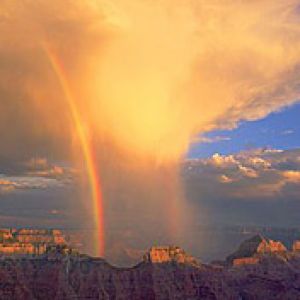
{"x":30,"y":241}
{"x":296,"y":246}
{"x":168,"y":254}
{"x":257,"y":246}
{"x":245,"y":261}
{"x":81,"y":277}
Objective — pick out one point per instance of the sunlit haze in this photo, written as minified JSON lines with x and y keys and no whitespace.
{"x":105,"y":102}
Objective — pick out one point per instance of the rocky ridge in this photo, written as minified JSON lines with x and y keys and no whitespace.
{"x":31,"y":241}
{"x":251,"y":250}
{"x":168,"y":254}
{"x":164,"y":273}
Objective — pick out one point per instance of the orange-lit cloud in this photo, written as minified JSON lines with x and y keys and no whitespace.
{"x":151,"y":75}
{"x":179,"y":68}
{"x":147,"y":77}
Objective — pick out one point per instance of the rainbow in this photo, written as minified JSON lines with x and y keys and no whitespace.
{"x":87,"y":149}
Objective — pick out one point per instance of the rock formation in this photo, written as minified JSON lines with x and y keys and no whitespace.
{"x":60,"y":277}
{"x":251,"y":250}
{"x":296,"y":245}
{"x":169,"y":254}
{"x":31,"y":241}
{"x":245,"y":261}
{"x":165,"y":273}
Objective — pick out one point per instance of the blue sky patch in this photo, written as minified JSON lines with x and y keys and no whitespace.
{"x":280,"y":130}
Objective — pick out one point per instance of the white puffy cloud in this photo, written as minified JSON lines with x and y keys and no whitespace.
{"x":248,"y":175}
{"x":210,"y":140}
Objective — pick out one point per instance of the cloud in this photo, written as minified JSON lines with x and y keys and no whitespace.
{"x":210,"y":140}
{"x":243,"y":64}
{"x":9,"y":184}
{"x":257,"y":174}
{"x":183,"y":68}
{"x":6,"y":186}
{"x":224,"y":193}
{"x":146,"y":77}
{"x":36,"y":173}
{"x":225,"y":179}
{"x":292,"y":176}
{"x":34,"y":116}
{"x":287,"y":132}
{"x":41,"y":167}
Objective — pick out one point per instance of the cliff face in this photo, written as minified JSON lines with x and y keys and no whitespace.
{"x":63,"y":277}
{"x":254,"y":248}
{"x":169,"y":254}
{"x":165,"y":273}
{"x":296,"y":246}
{"x":30,"y":241}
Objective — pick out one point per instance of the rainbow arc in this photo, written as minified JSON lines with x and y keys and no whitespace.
{"x":86,"y":145}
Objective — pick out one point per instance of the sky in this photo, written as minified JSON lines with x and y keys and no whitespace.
{"x":248,"y":175}
{"x":279,"y":130}
{"x":104,"y":104}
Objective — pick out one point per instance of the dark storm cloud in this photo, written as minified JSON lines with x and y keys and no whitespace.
{"x":36,"y":173}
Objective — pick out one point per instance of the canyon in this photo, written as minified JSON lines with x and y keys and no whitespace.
{"x":268,"y":271}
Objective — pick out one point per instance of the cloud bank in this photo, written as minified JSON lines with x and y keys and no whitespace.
{"x":147,"y":77}
{"x":251,"y":175}
{"x":247,"y":187}
{"x":36,"y":173}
